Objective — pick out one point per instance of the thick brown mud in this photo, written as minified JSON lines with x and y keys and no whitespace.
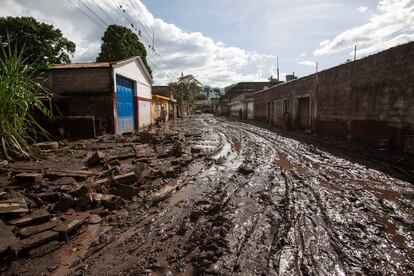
{"x":257,"y":203}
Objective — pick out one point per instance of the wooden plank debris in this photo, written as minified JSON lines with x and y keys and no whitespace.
{"x":7,"y":238}
{"x":71,"y":224}
{"x":37,"y":216}
{"x":15,"y":205}
{"x":32,"y":230}
{"x":33,"y":241}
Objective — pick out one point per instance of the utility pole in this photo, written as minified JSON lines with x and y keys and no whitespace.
{"x":153,"y":49}
{"x":355,"y":52}
{"x":316,"y":67}
{"x":277,"y":64}
{"x":182,"y":95}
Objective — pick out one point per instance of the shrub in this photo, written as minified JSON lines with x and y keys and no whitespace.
{"x":20,"y":89}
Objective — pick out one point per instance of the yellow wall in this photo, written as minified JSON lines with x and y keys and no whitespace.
{"x":156,"y":108}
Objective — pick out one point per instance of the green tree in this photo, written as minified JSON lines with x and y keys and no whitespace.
{"x":200,"y":97}
{"x":273,"y":80}
{"x":44,"y":44}
{"x":217,"y":91}
{"x":119,"y":42}
{"x":187,"y":87}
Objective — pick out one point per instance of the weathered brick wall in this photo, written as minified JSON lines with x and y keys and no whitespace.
{"x":84,"y":92}
{"x":364,"y":100}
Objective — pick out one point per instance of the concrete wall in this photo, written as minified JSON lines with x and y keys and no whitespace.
{"x":365,"y":100}
{"x":84,"y":92}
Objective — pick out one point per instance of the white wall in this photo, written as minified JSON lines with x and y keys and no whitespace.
{"x":132,"y":70}
{"x":144,"y":113}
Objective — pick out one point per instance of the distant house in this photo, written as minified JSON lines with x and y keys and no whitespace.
{"x":203,"y":105}
{"x":163,"y":96}
{"x":241,"y":98}
{"x":112,"y":97}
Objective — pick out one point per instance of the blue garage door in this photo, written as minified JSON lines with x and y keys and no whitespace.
{"x":125,"y":104}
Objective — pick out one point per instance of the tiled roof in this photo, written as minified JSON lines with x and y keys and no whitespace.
{"x":82,"y":65}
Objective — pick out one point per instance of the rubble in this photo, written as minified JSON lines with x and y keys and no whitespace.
{"x":28,"y":178}
{"x":48,"y":145}
{"x":85,"y":183}
{"x":14,"y":205}
{"x":95,"y":158}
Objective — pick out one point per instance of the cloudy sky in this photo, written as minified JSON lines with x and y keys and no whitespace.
{"x":227,"y":41}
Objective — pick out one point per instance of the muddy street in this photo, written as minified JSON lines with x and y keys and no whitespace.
{"x":252,"y":203}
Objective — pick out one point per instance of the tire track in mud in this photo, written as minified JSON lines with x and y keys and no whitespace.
{"x":360,"y":252}
{"x":298,"y":213}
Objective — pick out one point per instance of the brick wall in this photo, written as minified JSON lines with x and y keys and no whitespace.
{"x":84,"y":92}
{"x":364,"y":100}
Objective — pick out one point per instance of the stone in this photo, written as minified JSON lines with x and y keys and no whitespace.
{"x":32,"y":230}
{"x":194,"y":170}
{"x":78,"y":175}
{"x":79,"y":191}
{"x":7,"y":238}
{"x":95,"y":158}
{"x":83,"y":202}
{"x":170,"y":173}
{"x":35,"y":217}
{"x":145,"y":136}
{"x":64,"y":181}
{"x":49,"y":196}
{"x":94,"y":219}
{"x":195,"y":149}
{"x":15,"y":205}
{"x":64,"y":203}
{"x":70,"y":225}
{"x":99,"y":183}
{"x":177,"y":149}
{"x":33,"y":241}
{"x":125,"y":191}
{"x":111,"y":201}
{"x":28,"y":178}
{"x":127,"y":178}
{"x":246,"y":169}
{"x":48,"y":145}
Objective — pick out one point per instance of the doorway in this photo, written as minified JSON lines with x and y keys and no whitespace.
{"x":303,"y":114}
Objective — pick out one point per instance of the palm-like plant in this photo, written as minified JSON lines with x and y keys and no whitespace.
{"x":188,"y":87}
{"x":20,"y":90}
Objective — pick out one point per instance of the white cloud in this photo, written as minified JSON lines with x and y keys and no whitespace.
{"x":362,"y":9}
{"x":303,"y":55}
{"x":176,"y":50}
{"x":392,"y":25}
{"x":307,"y":63}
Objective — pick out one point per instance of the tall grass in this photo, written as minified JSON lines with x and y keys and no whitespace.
{"x":20,"y":89}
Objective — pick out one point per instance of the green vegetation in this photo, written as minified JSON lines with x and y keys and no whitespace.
{"x":274,"y":81}
{"x":118,"y":43}
{"x":44,"y":43}
{"x":187,"y":88}
{"x":20,"y":89}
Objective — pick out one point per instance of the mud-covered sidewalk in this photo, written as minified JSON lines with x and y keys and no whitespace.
{"x":228,"y":199}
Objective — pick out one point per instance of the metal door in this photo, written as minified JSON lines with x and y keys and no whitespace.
{"x":125,"y":104}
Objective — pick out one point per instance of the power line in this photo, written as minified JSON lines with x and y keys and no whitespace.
{"x":96,"y":22}
{"x":147,"y":29}
{"x":144,"y":18}
{"x":99,"y":24}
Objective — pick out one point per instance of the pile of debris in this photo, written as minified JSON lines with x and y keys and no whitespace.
{"x":81,"y":183}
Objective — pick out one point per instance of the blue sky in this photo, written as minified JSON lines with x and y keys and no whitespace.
{"x":286,"y":29}
{"x":226,"y":41}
